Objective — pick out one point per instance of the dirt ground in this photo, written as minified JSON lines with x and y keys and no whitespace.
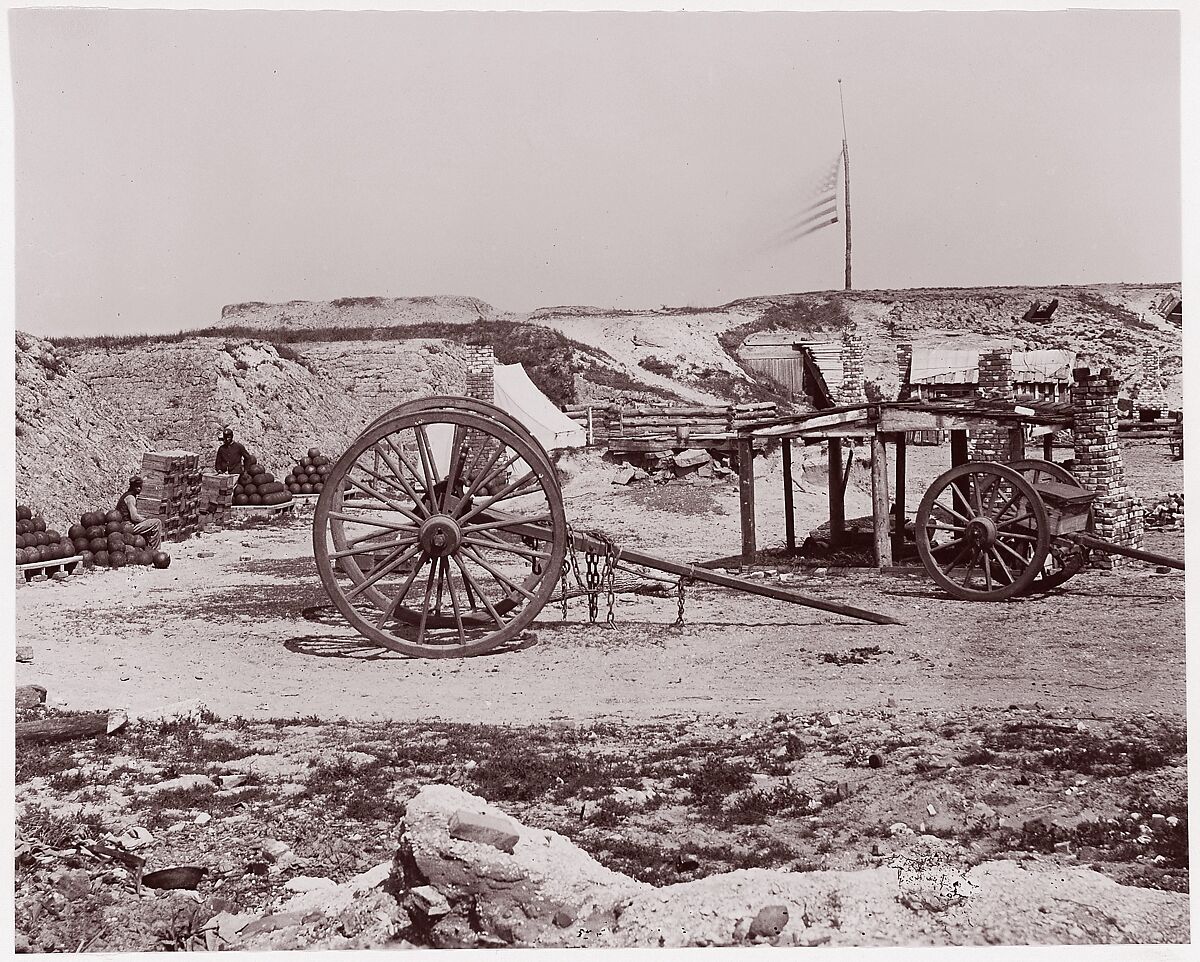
{"x":237,"y":624}
{"x":1049,"y":730}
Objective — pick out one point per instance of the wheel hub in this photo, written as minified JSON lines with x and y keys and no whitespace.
{"x":981,"y":533}
{"x":440,"y":535}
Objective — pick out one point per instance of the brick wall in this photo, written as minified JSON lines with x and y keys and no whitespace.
{"x":1118,"y":516}
{"x":995,"y":384}
{"x":481,"y":373}
{"x":1151,"y":396}
{"x":903,"y":365}
{"x":853,"y":354}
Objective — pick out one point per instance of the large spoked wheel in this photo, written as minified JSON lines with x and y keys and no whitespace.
{"x":982,"y":532}
{"x":454,"y":538}
{"x":1061,"y":564}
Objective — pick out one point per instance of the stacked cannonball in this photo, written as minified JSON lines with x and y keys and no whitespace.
{"x":106,"y":540}
{"x":256,"y":485}
{"x":308,"y":476}
{"x":36,"y":543}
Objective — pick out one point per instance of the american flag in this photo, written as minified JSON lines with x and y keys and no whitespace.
{"x":820,"y":210}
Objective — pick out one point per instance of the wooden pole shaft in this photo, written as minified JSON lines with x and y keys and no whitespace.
{"x":846,"y":167}
{"x":789,"y":517}
{"x":837,"y":492}
{"x":901,"y":484}
{"x":746,"y":498}
{"x":1048,"y":447}
{"x":880,"y":503}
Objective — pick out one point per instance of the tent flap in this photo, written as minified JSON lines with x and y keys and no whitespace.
{"x":520,"y":397}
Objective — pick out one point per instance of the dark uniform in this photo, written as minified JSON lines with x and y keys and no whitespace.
{"x":231,"y":457}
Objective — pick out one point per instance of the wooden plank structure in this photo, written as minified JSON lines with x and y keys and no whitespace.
{"x":881,"y":424}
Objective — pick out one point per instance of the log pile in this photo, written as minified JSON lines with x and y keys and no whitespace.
{"x":611,"y":423}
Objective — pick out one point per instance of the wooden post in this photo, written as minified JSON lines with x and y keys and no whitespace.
{"x":880,"y":503}
{"x":1048,"y":446}
{"x":837,"y":495}
{"x":591,"y":430}
{"x":901,"y":483}
{"x":746,"y":497}
{"x":1016,"y":443}
{"x":959,"y":455}
{"x":789,"y":519}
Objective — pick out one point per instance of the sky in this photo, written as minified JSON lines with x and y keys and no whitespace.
{"x":170,"y":162}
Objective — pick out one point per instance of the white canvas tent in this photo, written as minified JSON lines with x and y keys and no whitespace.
{"x":520,"y":397}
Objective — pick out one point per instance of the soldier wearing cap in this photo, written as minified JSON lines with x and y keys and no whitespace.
{"x":232,"y":457}
{"x":149,"y":528}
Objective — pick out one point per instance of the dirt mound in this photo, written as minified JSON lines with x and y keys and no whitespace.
{"x":358,"y":312}
{"x":90,"y":414}
{"x":74,"y":449}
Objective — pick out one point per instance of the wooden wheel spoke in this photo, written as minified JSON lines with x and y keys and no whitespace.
{"x":501,"y":579}
{"x":368,"y":548}
{"x":386,"y":568}
{"x":360,"y":519}
{"x":433,"y":568}
{"x":403,"y":459}
{"x":987,"y":570}
{"x":467,"y":579}
{"x":479,"y":478}
{"x":499,"y":496}
{"x":401,"y":595}
{"x":1007,"y":504}
{"x":938,"y":526}
{"x":452,"y":472}
{"x":949,"y":510}
{"x":1018,"y":520}
{"x":971,"y":567}
{"x":976,"y":497}
{"x":398,"y":471}
{"x":957,"y":558}
{"x":488,"y":540}
{"x":507,"y":523}
{"x":428,"y":461}
{"x":1016,"y":554}
{"x":1019,"y":536}
{"x":458,"y":622}
{"x":1003,"y":567}
{"x":390,"y":502}
{"x":954,"y":542}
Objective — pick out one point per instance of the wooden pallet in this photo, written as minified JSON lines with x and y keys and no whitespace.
{"x":27,"y":572}
{"x":264,"y":510}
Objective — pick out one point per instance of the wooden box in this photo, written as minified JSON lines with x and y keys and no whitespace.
{"x":1067,"y":507}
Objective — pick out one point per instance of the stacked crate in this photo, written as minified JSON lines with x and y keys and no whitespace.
{"x":216,"y":497}
{"x":171,"y":491}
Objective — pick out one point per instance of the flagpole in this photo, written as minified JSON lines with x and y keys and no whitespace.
{"x":846,"y":168}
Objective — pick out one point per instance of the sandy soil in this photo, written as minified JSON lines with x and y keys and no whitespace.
{"x":225,"y":626}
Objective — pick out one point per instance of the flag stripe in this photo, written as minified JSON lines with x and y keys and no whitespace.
{"x":804,"y":232}
{"x":830,"y":207}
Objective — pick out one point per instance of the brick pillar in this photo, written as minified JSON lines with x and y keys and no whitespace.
{"x":853,"y":353}
{"x":1119,"y":517}
{"x":903,"y":366}
{"x":481,"y":373}
{"x":1151,"y":396}
{"x":995,"y":384}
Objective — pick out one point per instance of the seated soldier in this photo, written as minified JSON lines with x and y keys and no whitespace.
{"x":149,"y":528}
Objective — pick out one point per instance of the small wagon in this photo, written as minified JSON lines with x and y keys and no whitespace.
{"x":987,"y":531}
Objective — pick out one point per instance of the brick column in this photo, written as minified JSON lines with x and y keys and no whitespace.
{"x":1119,"y":517}
{"x":853,"y":353}
{"x":903,"y":366}
{"x":995,"y":384}
{"x":481,"y":373}
{"x":1151,"y":396}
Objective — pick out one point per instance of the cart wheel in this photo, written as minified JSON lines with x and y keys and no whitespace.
{"x":431,"y":559}
{"x":982,"y":532}
{"x":461,"y":402}
{"x":1059,"y":567}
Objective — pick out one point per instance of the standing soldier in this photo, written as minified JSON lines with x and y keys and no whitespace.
{"x":232,"y":457}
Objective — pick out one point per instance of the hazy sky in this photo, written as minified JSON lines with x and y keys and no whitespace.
{"x":168,"y":163}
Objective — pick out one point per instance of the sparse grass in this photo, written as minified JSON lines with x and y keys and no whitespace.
{"x":716,"y":779}
{"x":762,"y":805}
{"x":1046,"y":746}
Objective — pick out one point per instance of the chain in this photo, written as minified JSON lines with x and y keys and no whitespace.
{"x":610,"y":562}
{"x":562,"y":582}
{"x":679,"y":593}
{"x":593,"y":584}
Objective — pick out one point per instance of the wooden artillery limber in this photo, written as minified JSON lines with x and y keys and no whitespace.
{"x":441,"y":533}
